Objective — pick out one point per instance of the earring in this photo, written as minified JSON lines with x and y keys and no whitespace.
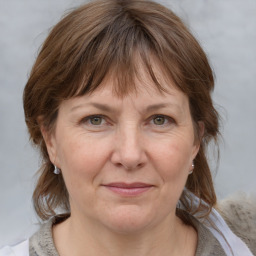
{"x":56,"y":170}
{"x":193,"y":166}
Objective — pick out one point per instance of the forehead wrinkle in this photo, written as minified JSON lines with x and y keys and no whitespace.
{"x":154,"y":107}
{"x":155,"y":103}
{"x":143,"y":83}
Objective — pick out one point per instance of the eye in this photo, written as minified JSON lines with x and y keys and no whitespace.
{"x":159,"y":120}
{"x":95,"y":120}
{"x":162,"y":120}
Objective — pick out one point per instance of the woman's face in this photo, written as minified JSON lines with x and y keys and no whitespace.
{"x":124,"y":161}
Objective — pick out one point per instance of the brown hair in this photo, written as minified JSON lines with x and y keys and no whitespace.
{"x":102,"y":37}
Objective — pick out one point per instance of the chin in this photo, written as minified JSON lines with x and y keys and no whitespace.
{"x":128,"y":220}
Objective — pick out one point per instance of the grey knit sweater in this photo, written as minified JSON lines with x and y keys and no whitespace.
{"x":239,"y":213}
{"x":41,"y":243}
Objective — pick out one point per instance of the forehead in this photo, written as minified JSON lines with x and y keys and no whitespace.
{"x":143,"y":88}
{"x":145,"y":94}
{"x":147,"y":83}
{"x":150,"y":77}
{"x":142,"y":71}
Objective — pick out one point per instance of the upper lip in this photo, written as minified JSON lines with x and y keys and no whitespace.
{"x":128,"y":185}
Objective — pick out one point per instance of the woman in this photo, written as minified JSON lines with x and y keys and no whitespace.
{"x":119,"y":103}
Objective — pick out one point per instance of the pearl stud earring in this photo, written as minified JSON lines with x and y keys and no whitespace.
{"x":193,"y":166}
{"x":56,"y":170}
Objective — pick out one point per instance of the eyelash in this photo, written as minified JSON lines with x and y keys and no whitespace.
{"x":169,"y":120}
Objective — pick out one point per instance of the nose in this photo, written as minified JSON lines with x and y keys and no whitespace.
{"x":129,"y":149}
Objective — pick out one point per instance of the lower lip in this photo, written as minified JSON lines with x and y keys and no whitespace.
{"x":129,"y":191}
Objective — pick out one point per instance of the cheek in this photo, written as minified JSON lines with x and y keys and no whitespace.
{"x":172,"y":160}
{"x":81,"y":160}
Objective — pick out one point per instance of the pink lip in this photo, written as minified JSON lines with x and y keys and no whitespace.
{"x":128,"y":189}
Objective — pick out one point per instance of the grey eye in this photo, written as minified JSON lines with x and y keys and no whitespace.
{"x":96,"y":120}
{"x":159,"y":120}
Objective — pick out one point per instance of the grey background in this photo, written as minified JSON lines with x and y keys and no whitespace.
{"x":227,"y":32}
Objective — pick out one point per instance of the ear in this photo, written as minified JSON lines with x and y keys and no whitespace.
{"x":199,"y":136}
{"x":201,"y":131}
{"x":50,"y":141}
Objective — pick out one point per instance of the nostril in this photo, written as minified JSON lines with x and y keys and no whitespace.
{"x":132,"y":167}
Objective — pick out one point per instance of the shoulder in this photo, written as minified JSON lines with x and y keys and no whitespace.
{"x":41,"y":243}
{"x":239,"y":212}
{"x":207,"y":244}
{"x":20,"y":249}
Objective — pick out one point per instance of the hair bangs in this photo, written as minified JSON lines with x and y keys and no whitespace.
{"x":119,"y":54}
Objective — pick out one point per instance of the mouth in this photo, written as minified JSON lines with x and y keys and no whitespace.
{"x":128,"y":189}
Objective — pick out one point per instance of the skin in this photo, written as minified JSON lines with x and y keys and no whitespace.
{"x":145,"y":137}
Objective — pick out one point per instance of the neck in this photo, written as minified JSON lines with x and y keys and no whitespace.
{"x":73,"y":237}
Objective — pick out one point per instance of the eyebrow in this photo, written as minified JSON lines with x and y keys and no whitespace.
{"x":161,"y":105}
{"x":100,"y":106}
{"x":107,"y":108}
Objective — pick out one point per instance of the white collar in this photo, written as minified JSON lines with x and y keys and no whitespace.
{"x":231,"y":244}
